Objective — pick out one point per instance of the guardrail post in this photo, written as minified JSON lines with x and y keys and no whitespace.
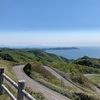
{"x":20,"y":95}
{"x":1,"y":80}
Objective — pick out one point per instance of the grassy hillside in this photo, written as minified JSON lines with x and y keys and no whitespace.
{"x":71,"y":70}
{"x":17,"y":56}
{"x":9,"y":57}
{"x":29,"y":56}
{"x":8,"y":70}
{"x":43,"y":76}
{"x":36,"y":71}
{"x":86,"y":61}
{"x":95,"y":80}
{"x":7,"y":65}
{"x":43,"y":56}
{"x":74,"y":70}
{"x":68,"y":70}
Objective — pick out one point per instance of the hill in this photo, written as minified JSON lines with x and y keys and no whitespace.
{"x":29,"y":56}
{"x":87,"y":61}
{"x":72,"y":70}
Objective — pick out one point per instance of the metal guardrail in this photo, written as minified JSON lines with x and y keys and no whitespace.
{"x":21,"y":93}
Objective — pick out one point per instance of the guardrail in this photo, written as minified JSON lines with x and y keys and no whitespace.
{"x":21,"y":93}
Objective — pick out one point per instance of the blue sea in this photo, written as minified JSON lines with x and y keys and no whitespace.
{"x":93,"y":52}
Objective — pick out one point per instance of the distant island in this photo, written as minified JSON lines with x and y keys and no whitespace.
{"x":44,"y":49}
{"x":60,"y":48}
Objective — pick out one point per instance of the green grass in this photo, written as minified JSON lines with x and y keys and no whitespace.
{"x":17,"y":56}
{"x":72,"y":70}
{"x":8,"y":70}
{"x":87,"y":61}
{"x":44,"y":77}
{"x":95,"y":80}
{"x":7,"y":65}
{"x":29,"y":56}
{"x":86,"y":96}
{"x":40,"y":73}
{"x":36,"y":95}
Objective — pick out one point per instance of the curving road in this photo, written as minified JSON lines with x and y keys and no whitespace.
{"x":49,"y":94}
{"x":67,"y":83}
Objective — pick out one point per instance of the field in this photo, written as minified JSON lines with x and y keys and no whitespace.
{"x":95,"y":80}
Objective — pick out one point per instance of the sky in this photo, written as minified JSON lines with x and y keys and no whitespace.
{"x":49,"y":23}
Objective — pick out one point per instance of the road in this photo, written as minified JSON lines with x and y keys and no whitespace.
{"x":91,"y":75}
{"x":67,"y":83}
{"x":35,"y":86}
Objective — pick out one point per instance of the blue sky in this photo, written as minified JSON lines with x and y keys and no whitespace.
{"x":50,"y":22}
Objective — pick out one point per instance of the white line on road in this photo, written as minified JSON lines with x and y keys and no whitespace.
{"x":54,"y":97}
{"x":40,"y":89}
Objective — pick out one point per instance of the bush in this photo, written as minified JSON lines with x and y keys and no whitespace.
{"x":83,"y":96}
{"x":36,"y":95}
{"x":27,"y":69}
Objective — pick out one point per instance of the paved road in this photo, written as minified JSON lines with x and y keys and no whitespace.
{"x":49,"y":94}
{"x":67,"y":83}
{"x":91,"y":75}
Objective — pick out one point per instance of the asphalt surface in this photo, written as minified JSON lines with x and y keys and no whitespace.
{"x":49,"y":94}
{"x":91,"y":75}
{"x":67,"y":83}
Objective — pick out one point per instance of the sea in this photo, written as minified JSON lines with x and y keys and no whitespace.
{"x":93,"y":52}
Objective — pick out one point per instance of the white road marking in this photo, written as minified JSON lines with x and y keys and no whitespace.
{"x":54,"y":97}
{"x":40,"y":89}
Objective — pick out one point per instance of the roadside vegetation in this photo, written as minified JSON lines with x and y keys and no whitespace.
{"x":29,"y":56}
{"x":36,"y":95}
{"x":74,"y":73}
{"x":8,"y":70}
{"x":87,"y":61}
{"x":86,"y":96}
{"x":72,"y":70}
{"x":43,"y":76}
{"x":7,"y":65}
{"x":95,"y":80}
